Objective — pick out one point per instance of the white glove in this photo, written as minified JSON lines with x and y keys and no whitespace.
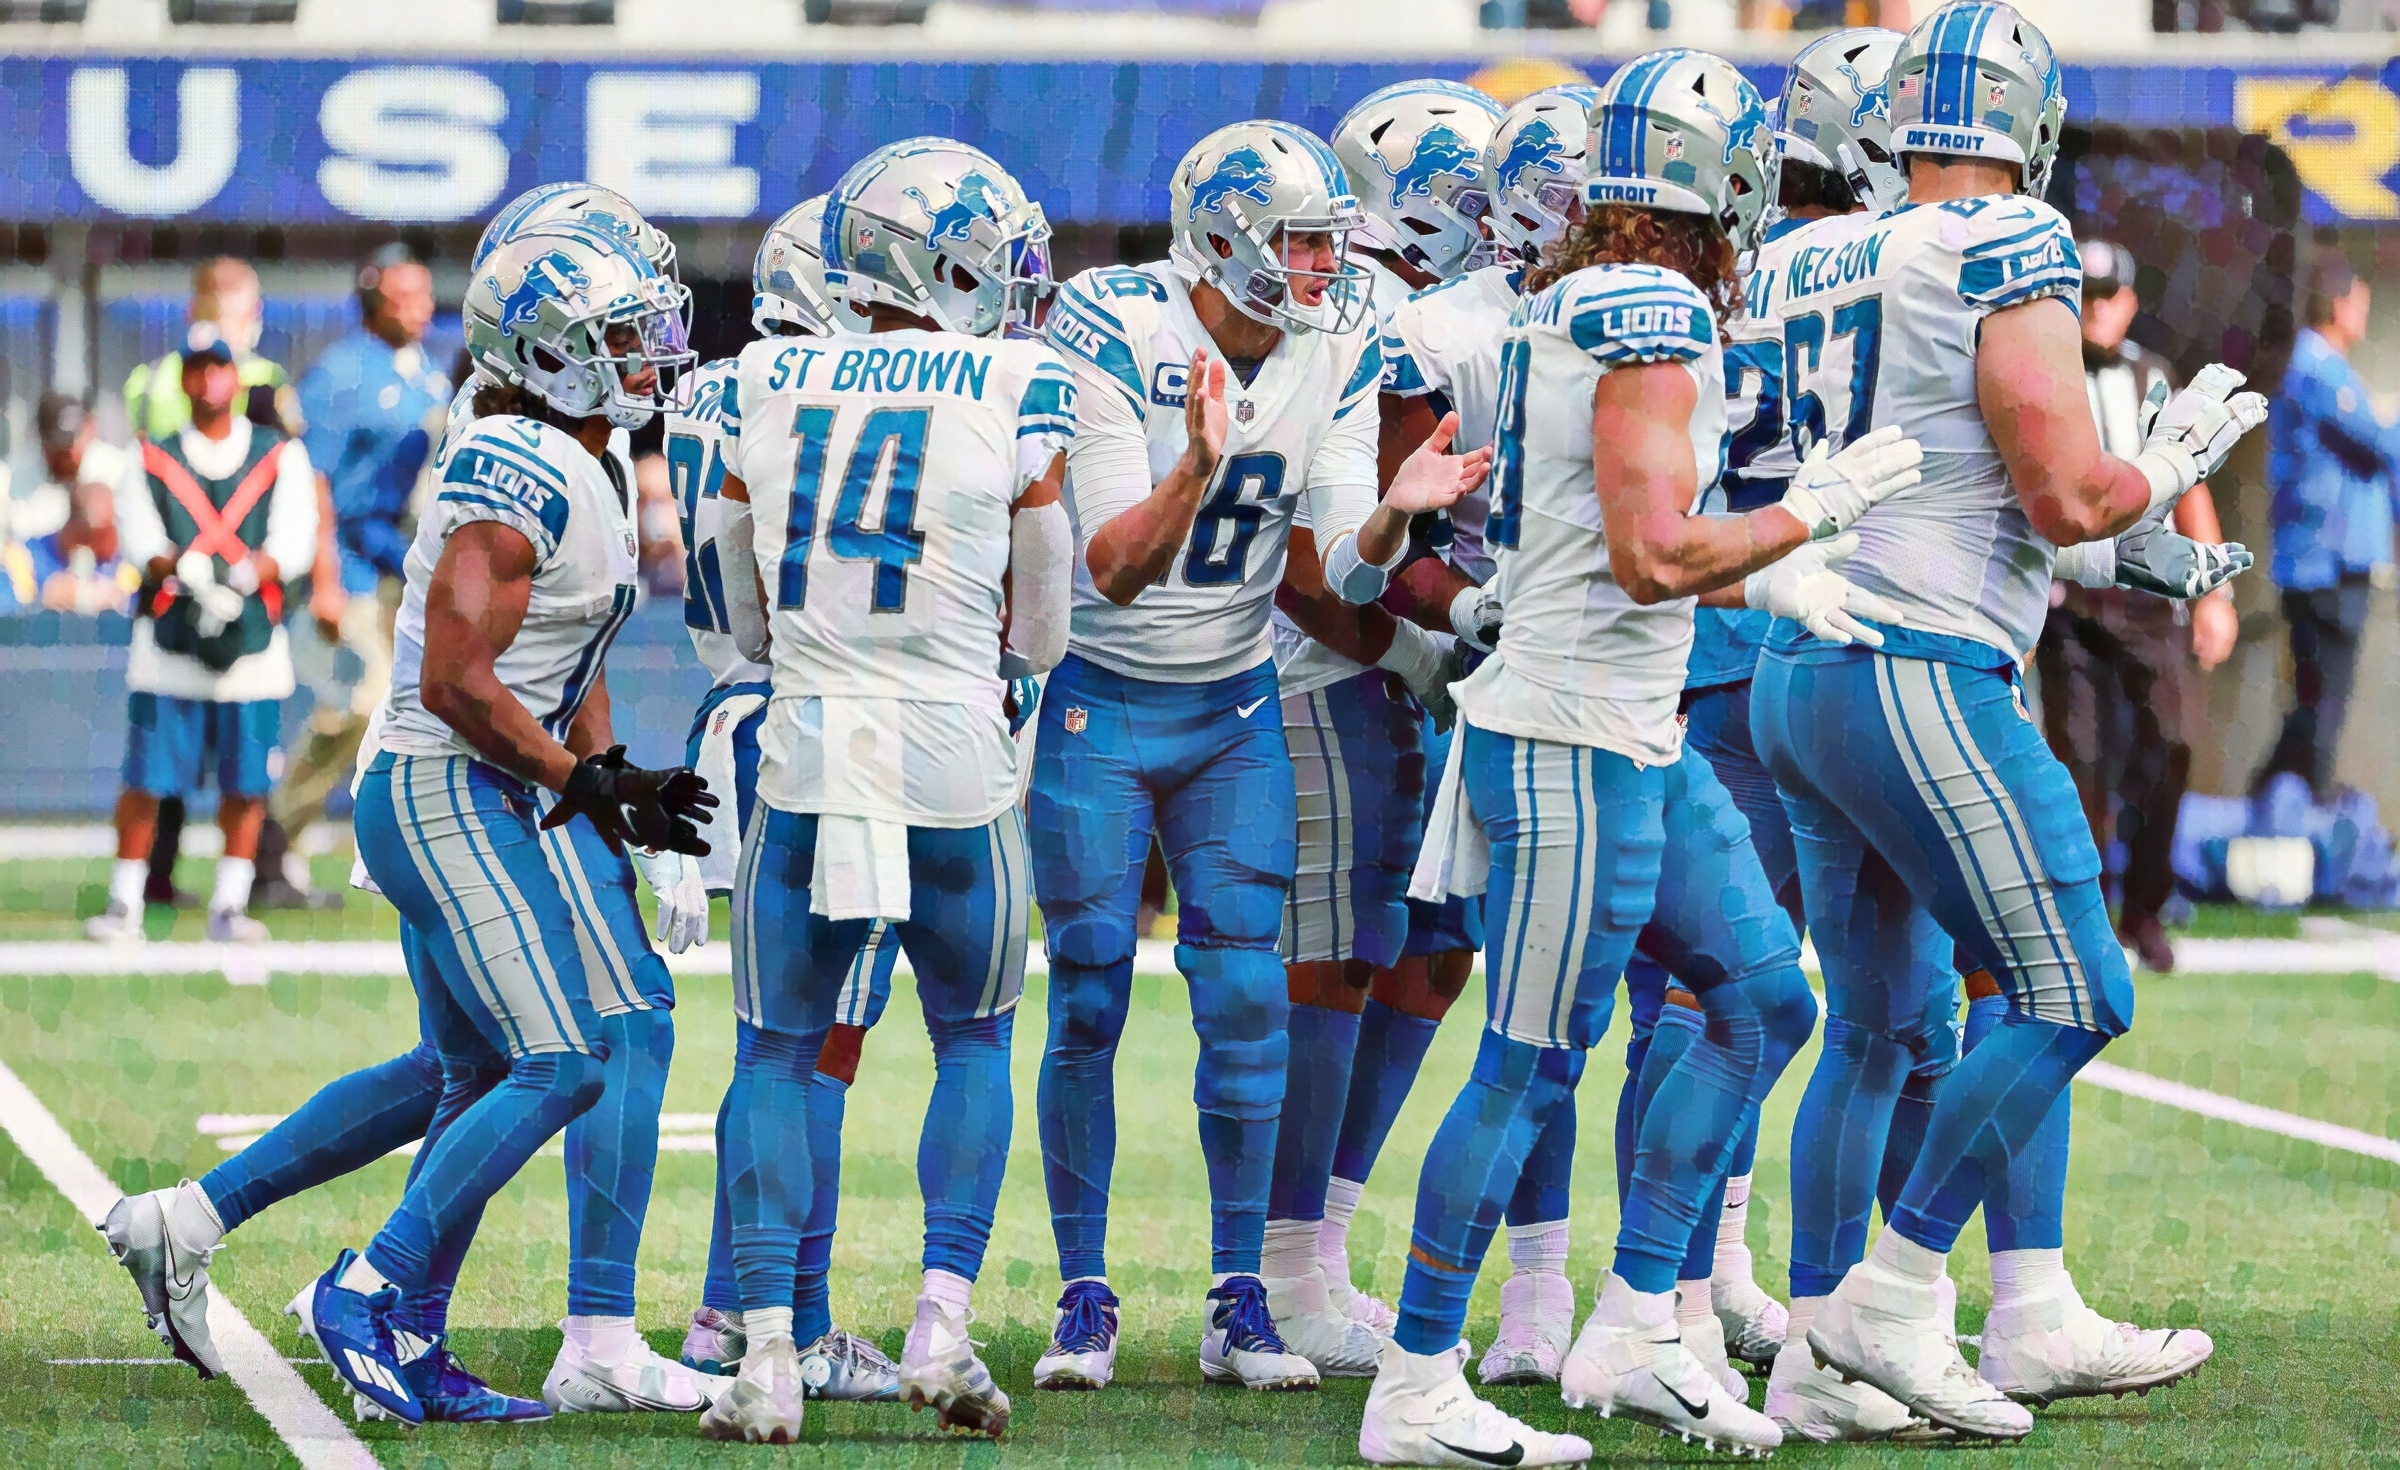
{"x":1427,"y":663}
{"x":1832,"y":491}
{"x":1475,"y":617}
{"x":219,"y":604}
{"x":682,"y":898}
{"x":242,"y":576}
{"x":2185,"y":438}
{"x":1805,"y":588}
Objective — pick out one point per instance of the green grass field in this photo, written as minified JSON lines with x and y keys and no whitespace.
{"x":2288,"y":1253}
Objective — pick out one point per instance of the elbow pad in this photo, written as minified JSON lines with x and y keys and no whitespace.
{"x":1041,"y":571}
{"x":745,"y":617}
{"x":1352,"y":577}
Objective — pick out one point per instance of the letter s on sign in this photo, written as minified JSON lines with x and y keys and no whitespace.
{"x":413,"y":142}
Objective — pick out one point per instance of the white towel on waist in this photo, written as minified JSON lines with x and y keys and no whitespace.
{"x":1457,"y":856}
{"x":723,"y":829}
{"x":862,"y":862}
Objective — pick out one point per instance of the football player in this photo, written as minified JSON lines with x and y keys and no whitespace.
{"x":725,"y":618}
{"x":496,"y":735}
{"x":1601,"y":823}
{"x":902,"y":489}
{"x":1354,"y":726}
{"x":1915,"y":783}
{"x":1219,"y":388}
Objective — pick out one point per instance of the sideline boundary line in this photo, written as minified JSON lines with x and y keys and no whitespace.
{"x":314,"y":1434}
{"x":2233,"y":1110}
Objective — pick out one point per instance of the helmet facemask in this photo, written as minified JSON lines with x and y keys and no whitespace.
{"x":1252,"y":267}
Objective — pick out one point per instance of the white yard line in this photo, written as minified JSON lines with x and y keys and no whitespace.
{"x":2234,"y":1110}
{"x":315,"y":1435}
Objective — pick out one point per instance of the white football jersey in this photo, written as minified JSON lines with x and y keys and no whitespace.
{"x":577,"y":512}
{"x":1443,"y":343}
{"x":1579,"y":661}
{"x":881,"y":473}
{"x":1880,"y":319}
{"x":462,"y":418}
{"x":696,"y":462}
{"x":1302,"y":663}
{"x":1306,"y":422}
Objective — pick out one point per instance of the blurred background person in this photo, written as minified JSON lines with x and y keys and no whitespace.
{"x":373,"y":404}
{"x":76,"y":568}
{"x":2119,"y":670}
{"x":2333,"y":464}
{"x":73,"y":454}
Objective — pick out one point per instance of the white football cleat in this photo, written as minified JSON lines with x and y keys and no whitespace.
{"x":232,"y":926}
{"x":1809,"y":1403}
{"x":714,"y":1342}
{"x":938,"y":1366}
{"x":1755,"y":1323}
{"x":1885,"y":1330}
{"x":115,"y":924}
{"x":1421,"y":1412}
{"x":1083,"y":1340}
{"x":2055,"y":1347}
{"x":764,"y":1404}
{"x":1537,"y":1321}
{"x":1704,"y":1339}
{"x":1310,"y":1325}
{"x":1240,"y":1344}
{"x":170,"y":1274}
{"x":1644,"y":1373}
{"x":642,"y":1382}
{"x":842,"y":1367}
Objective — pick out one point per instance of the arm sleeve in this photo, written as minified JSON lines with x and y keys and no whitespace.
{"x":1342,"y":482}
{"x":141,"y":535}
{"x":1041,"y":565}
{"x":292,"y":513}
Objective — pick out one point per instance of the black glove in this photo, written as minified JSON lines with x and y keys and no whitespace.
{"x":653,"y":809}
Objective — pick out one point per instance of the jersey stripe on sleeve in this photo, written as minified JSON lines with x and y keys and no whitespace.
{"x":1638,"y":314}
{"x":1082,"y":327}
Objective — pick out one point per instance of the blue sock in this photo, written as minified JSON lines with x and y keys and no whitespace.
{"x":1077,"y":1106}
{"x":769,"y":1182}
{"x":350,"y":1122}
{"x":1991,"y":1109}
{"x":479,"y":1154}
{"x":963,"y":1152}
{"x":1645,"y":996}
{"x":426,"y":1310}
{"x":1541,"y":1195}
{"x":1383,"y":1067}
{"x":1241,"y":1006}
{"x":612,"y":1158}
{"x":718,"y":1288}
{"x":812,"y":1292}
{"x":1672,"y":1031}
{"x":1316,"y":1097}
{"x":2027,"y":1210}
{"x":1695,"y":1119}
{"x":1911,"y":1111}
{"x":1477,"y":1158}
{"x":1838,"y":1145}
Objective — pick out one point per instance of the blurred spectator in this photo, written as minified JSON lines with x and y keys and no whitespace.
{"x":2120,"y":698}
{"x":226,"y":307}
{"x":77,"y":567}
{"x":374,"y":405}
{"x":72,"y":454}
{"x":661,"y":531}
{"x":212,"y":515}
{"x":2333,"y":464}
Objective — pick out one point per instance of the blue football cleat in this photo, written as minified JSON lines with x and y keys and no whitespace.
{"x":452,"y":1395}
{"x":353,"y":1329}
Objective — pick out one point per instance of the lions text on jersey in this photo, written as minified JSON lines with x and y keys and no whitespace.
{"x":1880,"y":319}
{"x":1305,"y":423}
{"x":881,"y":474}
{"x":1579,"y":661}
{"x":696,"y":461}
{"x":576,"y":511}
{"x":1443,"y":343}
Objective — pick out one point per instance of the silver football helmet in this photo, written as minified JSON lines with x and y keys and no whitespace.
{"x":1414,"y":154}
{"x":1684,"y":131}
{"x":1834,"y":113}
{"x":571,"y":312}
{"x":788,"y":293}
{"x":939,"y":230}
{"x":1536,"y":164}
{"x":577,"y":203}
{"x":1978,"y":80}
{"x":1239,"y":194}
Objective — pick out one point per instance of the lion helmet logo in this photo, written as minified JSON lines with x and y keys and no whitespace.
{"x":1537,"y":145}
{"x":554,"y":277}
{"x":1440,"y":153}
{"x":956,"y":220}
{"x":1242,"y":172}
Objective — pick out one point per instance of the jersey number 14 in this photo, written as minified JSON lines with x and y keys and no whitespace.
{"x":896,"y":434}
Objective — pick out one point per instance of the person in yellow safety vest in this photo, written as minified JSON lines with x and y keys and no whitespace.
{"x":226,"y":307}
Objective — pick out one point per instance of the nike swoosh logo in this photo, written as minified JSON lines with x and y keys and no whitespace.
{"x":1513,"y":1455}
{"x":1245,"y":711}
{"x":1697,"y":1411}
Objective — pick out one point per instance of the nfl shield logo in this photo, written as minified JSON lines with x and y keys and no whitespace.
{"x":1077,"y":718}
{"x":1243,"y":412}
